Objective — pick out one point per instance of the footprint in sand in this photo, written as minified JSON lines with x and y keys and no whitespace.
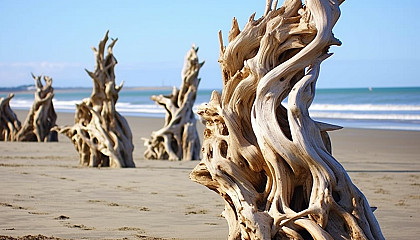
{"x":39,"y":213}
{"x":61,"y":217}
{"x":401,"y":202}
{"x":80,"y":226}
{"x":139,"y":230}
{"x":381,"y":191}
{"x":70,"y":225}
{"x":192,"y":210}
{"x":13,"y":206}
{"x":113,"y":204}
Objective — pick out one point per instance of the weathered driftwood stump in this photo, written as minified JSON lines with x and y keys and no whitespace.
{"x":9,"y":123}
{"x":100,"y":134}
{"x":41,"y":117}
{"x":272,"y":164}
{"x":39,"y":121}
{"x":178,"y":139}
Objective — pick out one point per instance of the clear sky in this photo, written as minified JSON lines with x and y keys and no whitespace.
{"x":54,"y":37}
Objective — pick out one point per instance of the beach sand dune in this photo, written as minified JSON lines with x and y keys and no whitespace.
{"x":44,"y":191}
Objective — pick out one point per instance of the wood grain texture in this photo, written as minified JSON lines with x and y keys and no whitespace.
{"x":40,"y":120}
{"x":270,"y":161}
{"x":100,"y":134}
{"x":178,"y":139}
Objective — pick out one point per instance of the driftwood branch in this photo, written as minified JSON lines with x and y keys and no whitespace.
{"x":178,"y":139}
{"x":100,"y":134}
{"x":269,"y":160}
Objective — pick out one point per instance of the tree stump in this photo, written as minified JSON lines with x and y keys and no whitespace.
{"x":100,"y":134}
{"x":271,"y":163}
{"x":39,"y":121}
{"x":178,"y":139}
{"x":41,"y":117}
{"x":9,"y":123}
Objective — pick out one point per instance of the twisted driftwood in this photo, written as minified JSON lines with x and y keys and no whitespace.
{"x":100,"y":134}
{"x":178,"y":139}
{"x":9,"y":123}
{"x":272,"y":164}
{"x":39,"y":121}
{"x":41,"y":117}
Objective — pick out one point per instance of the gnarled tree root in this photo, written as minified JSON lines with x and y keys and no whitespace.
{"x":100,"y":134}
{"x":178,"y":139}
{"x":272,"y":163}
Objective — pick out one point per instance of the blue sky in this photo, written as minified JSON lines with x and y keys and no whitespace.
{"x":380,"y":40}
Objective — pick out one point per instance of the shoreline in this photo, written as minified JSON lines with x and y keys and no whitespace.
{"x":365,"y":124}
{"x":44,"y":191}
{"x":382,"y":108}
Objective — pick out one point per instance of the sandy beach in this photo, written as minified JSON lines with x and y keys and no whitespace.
{"x":44,"y":191}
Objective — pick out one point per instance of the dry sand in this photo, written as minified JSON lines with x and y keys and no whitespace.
{"x":44,"y":191}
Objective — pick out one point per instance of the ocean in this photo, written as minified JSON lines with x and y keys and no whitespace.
{"x":374,"y":108}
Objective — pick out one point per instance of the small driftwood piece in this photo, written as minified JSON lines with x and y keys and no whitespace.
{"x":178,"y":139}
{"x":41,"y":117}
{"x":272,"y":164}
{"x":9,"y":123}
{"x":100,"y":134}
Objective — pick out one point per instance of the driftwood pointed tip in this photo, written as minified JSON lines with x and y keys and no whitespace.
{"x":327,"y":126}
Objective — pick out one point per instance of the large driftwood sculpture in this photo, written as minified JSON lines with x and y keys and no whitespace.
{"x":41,"y":117}
{"x":9,"y":123}
{"x":39,"y":121}
{"x":272,"y":164}
{"x":178,"y":139}
{"x":100,"y":134}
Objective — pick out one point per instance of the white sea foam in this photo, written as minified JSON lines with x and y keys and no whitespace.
{"x":71,"y":106}
{"x":20,"y":104}
{"x":139,"y":108}
{"x":376,"y":116}
{"x":381,"y":108}
{"x":364,"y":107}
{"x":339,"y":111}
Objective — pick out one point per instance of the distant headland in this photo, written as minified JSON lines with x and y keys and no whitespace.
{"x":29,"y":87}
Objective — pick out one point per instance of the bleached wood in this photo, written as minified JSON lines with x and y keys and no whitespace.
{"x":9,"y":123}
{"x":41,"y":117}
{"x":178,"y":139}
{"x":100,"y":134}
{"x":40,"y":120}
{"x":272,"y":164}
